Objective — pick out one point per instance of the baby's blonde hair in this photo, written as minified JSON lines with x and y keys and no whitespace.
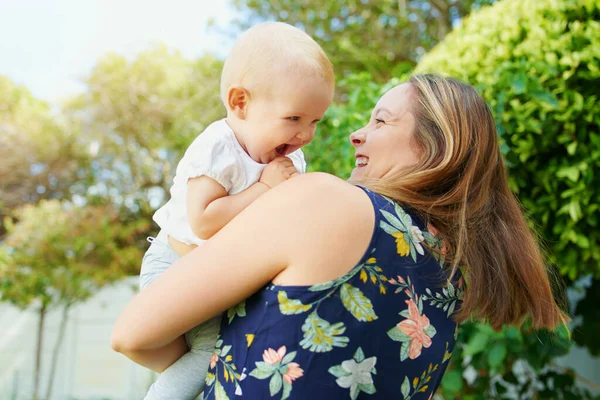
{"x":270,"y":48}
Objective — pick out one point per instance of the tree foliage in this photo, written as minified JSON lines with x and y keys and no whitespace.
{"x":40,"y":156}
{"x":381,"y":37}
{"x":139,"y":116}
{"x":55,"y":253}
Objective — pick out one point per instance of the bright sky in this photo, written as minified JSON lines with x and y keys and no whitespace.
{"x":49,"y":45}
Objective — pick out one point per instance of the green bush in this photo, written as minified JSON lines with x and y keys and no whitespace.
{"x":537,"y":63}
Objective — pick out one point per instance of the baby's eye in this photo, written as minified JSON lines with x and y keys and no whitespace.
{"x":294,"y":118}
{"x":379,"y":121}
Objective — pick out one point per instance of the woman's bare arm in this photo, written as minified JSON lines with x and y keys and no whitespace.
{"x":310,"y":229}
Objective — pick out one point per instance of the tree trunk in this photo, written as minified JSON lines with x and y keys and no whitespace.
{"x":56,"y":351}
{"x":38,"y":353}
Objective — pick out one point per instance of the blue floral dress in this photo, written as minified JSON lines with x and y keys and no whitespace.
{"x":382,"y":331}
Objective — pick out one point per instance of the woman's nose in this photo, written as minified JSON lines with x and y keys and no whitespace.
{"x":357,"y":138}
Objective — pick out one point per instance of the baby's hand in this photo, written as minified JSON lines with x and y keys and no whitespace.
{"x":278,"y":170}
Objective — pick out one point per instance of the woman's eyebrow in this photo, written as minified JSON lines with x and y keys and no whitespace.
{"x":382,"y":109}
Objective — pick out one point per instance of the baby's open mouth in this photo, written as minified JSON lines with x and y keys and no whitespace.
{"x":281,"y":150}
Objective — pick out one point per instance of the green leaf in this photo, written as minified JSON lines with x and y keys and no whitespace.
{"x":404,"y":217}
{"x":359,"y":356}
{"x":452,"y":381}
{"x":287,"y":390}
{"x":275,"y":384}
{"x":261,"y":374}
{"x":563,"y":332}
{"x":450,"y":288}
{"x":496,"y":354}
{"x":288,"y":358}
{"x":290,"y":306}
{"x":430,"y":330}
{"x":367,"y":388}
{"x":225,"y":350}
{"x":405,"y":388}
{"x":210,"y":379}
{"x":397,"y":335}
{"x":545,"y":97}
{"x":338,"y":371}
{"x":262,"y":370}
{"x":394,"y":221}
{"x":387,"y":228}
{"x":356,"y":303}
{"x":239,"y":310}
{"x":320,"y":336}
{"x":404,"y":350}
{"x":519,"y":83}
{"x":451,"y":308}
{"x":571,"y":172}
{"x":321,"y":286}
{"x":220,"y":393}
{"x":477,"y":343}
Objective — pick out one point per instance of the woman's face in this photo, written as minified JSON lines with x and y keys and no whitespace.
{"x":386,"y":144}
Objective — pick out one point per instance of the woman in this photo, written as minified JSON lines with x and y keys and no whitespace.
{"x":355,"y":291}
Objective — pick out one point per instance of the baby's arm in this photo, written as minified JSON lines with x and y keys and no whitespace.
{"x":210,"y":208}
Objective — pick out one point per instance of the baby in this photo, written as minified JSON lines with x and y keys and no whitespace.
{"x":276,"y":85}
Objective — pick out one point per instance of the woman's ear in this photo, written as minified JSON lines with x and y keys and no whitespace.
{"x":238,"y":100}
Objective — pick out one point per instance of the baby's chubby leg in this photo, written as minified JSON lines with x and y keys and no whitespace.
{"x":185,"y":379}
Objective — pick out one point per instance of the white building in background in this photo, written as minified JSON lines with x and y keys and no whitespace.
{"x":88,"y":369}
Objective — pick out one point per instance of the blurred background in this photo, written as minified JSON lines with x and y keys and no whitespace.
{"x":99,"y":99}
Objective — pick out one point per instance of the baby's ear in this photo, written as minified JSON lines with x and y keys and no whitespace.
{"x":238,"y":99}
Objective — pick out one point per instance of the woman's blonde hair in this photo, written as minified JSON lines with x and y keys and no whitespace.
{"x":460,"y":186}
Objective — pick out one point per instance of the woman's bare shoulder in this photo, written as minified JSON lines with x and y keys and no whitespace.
{"x":321,"y":185}
{"x":317,"y":194}
{"x":331,"y":222}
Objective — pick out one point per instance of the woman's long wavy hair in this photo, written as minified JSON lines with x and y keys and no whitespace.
{"x":460,"y":186}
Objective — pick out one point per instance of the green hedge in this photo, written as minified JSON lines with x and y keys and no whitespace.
{"x":537,"y":63}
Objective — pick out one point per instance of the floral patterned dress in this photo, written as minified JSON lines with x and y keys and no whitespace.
{"x":382,"y":331}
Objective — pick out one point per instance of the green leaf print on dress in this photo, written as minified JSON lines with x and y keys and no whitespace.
{"x":320,"y":336}
{"x":290,"y":306}
{"x":408,"y":236}
{"x":448,"y":299}
{"x":237,"y":310}
{"x":356,"y":303}
{"x":222,"y":359}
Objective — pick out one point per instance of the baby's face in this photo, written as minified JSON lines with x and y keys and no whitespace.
{"x":282,"y":121}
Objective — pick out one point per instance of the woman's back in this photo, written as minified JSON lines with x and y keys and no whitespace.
{"x":381,"y":331}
